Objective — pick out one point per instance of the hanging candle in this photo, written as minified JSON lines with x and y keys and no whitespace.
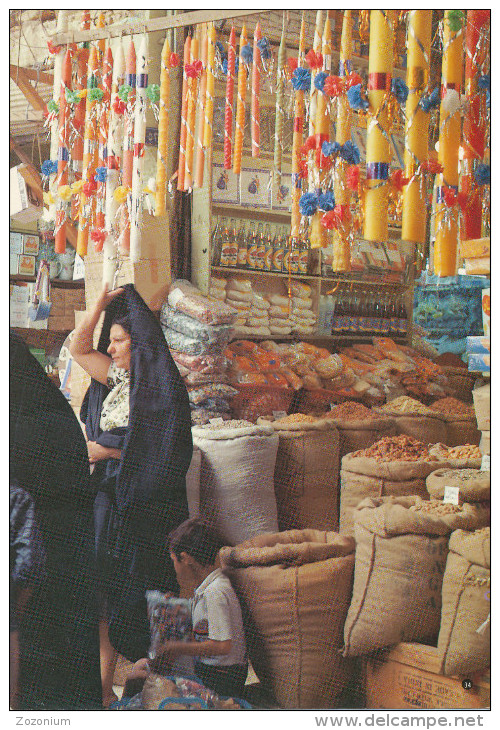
{"x":87,"y":198}
{"x":200,"y":149}
{"x":78,"y":122}
{"x":128,"y":146}
{"x":378,"y":151}
{"x":184,"y":108}
{"x":107,"y":77}
{"x":240,"y":106}
{"x":63,"y":154}
{"x":255,"y":108}
{"x":414,"y":220}
{"x":209,"y":98}
{"x":101,"y":43}
{"x":341,"y":260}
{"x":447,"y":230}
{"x":141,"y":84}
{"x":62,"y":27}
{"x":161,"y":161}
{"x":319,"y":234}
{"x":228,"y":111}
{"x":191,"y":113}
{"x":298,"y":132}
{"x":474,"y":127}
{"x":314,"y":71}
{"x":278,"y":127}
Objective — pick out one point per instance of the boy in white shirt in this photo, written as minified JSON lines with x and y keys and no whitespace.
{"x":218,"y":637}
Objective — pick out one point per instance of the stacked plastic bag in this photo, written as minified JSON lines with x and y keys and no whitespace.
{"x":252,"y":308}
{"x":197,"y":330}
{"x":217,"y":289}
{"x":302,"y":316}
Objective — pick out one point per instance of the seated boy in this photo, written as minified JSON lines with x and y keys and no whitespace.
{"x":218,"y":643}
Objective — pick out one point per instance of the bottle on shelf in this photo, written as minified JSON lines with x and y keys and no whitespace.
{"x":233,"y":245}
{"x":321,"y":327}
{"x":268,"y":248}
{"x":216,"y":241}
{"x":338,"y":315}
{"x":393,"y":318}
{"x":278,"y":251}
{"x":287,"y":254}
{"x":303,"y":263}
{"x":242,"y":246}
{"x":261,"y":247}
{"x":403,"y":317}
{"x":252,"y":249}
{"x":225,"y":243}
{"x":294,"y":256}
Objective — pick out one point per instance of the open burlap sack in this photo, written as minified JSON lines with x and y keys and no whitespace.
{"x":401,"y":551}
{"x":461,"y":430}
{"x":357,"y":435}
{"x":464,"y":636}
{"x":429,"y":429}
{"x":474,"y":485}
{"x":295,"y":589}
{"x":306,"y":478}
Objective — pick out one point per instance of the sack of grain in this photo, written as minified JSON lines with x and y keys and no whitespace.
{"x":306,"y":476}
{"x":401,"y":550}
{"x":237,"y":478}
{"x":295,"y":590}
{"x":464,"y":636}
{"x":473,"y":484}
{"x":413,"y":418}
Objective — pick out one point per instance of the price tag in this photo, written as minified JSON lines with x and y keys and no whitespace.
{"x":279,"y":414}
{"x":216,"y":421}
{"x":451,"y":495}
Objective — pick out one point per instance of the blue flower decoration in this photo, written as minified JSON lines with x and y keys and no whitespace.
{"x":301,"y":79}
{"x":350,"y":153}
{"x":482,"y":175}
{"x":484,"y":82}
{"x":219,"y":45}
{"x":224,"y":64}
{"x":49,"y":167}
{"x":264,"y":48}
{"x":432,"y":101}
{"x":355,"y":99}
{"x":326,"y":200}
{"x":100,"y":174}
{"x":329,"y":149}
{"x":400,"y":90}
{"x":246,"y":54}
{"x":308,"y":204}
{"x":319,"y":80}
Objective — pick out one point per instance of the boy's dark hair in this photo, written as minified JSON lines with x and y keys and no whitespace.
{"x":196,"y":538}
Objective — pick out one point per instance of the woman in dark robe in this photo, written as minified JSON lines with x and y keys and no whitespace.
{"x":58,"y":629}
{"x":138,"y":426}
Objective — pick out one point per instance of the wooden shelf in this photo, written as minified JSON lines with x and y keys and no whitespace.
{"x":58,"y":283}
{"x":240,"y":211}
{"x":49,"y":340}
{"x":339,"y":279}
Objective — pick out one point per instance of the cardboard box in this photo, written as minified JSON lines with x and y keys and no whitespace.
{"x":18,"y":314}
{"x":25,"y":204}
{"x":61,"y":322}
{"x":478,"y":345}
{"x":26,"y":265}
{"x":479,"y":363}
{"x":13,"y":263}
{"x":485,"y":443}
{"x":406,"y":677}
{"x":475,"y":248}
{"x":16,"y":242}
{"x":31,"y":244}
{"x":482,"y":404}
{"x":478,"y":267}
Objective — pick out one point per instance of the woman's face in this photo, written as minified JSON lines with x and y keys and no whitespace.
{"x":119,"y":347}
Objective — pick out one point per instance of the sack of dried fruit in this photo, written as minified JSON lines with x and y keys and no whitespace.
{"x":460,"y":420}
{"x":415,"y":419}
{"x":464,"y":636}
{"x":467,"y":456}
{"x":306,"y":476}
{"x":401,"y":551}
{"x":295,"y":588}
{"x":359,"y":427}
{"x":473,"y":484}
{"x":237,"y":478}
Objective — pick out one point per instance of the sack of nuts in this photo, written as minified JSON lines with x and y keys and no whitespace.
{"x":415,"y":419}
{"x":460,"y":420}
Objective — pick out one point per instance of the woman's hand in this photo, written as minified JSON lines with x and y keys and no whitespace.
{"x":97,"y":452}
{"x":106,"y":297}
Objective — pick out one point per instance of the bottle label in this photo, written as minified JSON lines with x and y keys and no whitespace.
{"x":303,"y":261}
{"x":242,"y":256}
{"x":294,"y":261}
{"x":224,"y":256}
{"x":286,"y":261}
{"x":268,"y":258}
{"x":277,"y":259}
{"x":252,"y":250}
{"x":259,"y":258}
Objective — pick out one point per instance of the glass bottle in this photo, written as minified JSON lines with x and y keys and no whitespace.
{"x":233,"y":245}
{"x":242,"y":246}
{"x":303,"y":263}
{"x":252,"y":249}
{"x":403,"y":317}
{"x":338,"y":315}
{"x":278,"y":250}
{"x":268,"y":248}
{"x":216,"y":240}
{"x":225,"y":243}
{"x":261,"y":247}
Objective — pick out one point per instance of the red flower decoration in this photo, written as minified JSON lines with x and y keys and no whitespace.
{"x":323,"y":163}
{"x":482,"y":17}
{"x":353,"y":80}
{"x":98,"y":235}
{"x":119,"y":106}
{"x":431,"y":166}
{"x":328,"y":220}
{"x":450,"y":197}
{"x":310,"y":143}
{"x":174,"y":60}
{"x":463,"y":201}
{"x":303,"y":172}
{"x":333,"y":86}
{"x":352,"y":177}
{"x":89,"y":188}
{"x":398,"y":180}
{"x":292,"y":64}
{"x":52,"y":48}
{"x":314,"y":60}
{"x":193,"y":70}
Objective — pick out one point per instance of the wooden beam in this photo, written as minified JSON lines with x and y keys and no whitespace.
{"x":18,"y":151}
{"x":33,"y":75}
{"x":21,"y":80}
{"x":150,"y":26}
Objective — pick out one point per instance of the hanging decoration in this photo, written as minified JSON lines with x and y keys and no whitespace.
{"x":184,"y":109}
{"x":163,"y":131}
{"x":139,"y":142}
{"x":127,"y":94}
{"x":255,"y":99}
{"x":210,"y":92}
{"x":200,"y":147}
{"x":300,"y":82}
{"x":229,"y":106}
{"x":63,"y":156}
{"x":193,"y":72}
{"x":99,"y":232}
{"x":78,"y":119}
{"x":240,"y":105}
{"x":87,"y":195}
{"x":278,"y":126}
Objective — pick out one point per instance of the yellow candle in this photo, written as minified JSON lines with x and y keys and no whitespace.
{"x":378,"y":154}
{"x":161,"y":162}
{"x":209,"y":99}
{"x":447,"y":229}
{"x":184,"y":108}
{"x":298,"y":128}
{"x":417,"y":125}
{"x":191,"y":118}
{"x":87,"y":204}
{"x":278,"y":128}
{"x":240,"y":108}
{"x":200,"y":149}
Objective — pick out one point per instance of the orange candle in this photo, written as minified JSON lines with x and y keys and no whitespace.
{"x":128,"y":147}
{"x":161,"y":160}
{"x":240,"y":107}
{"x":200,"y":149}
{"x":63,"y":154}
{"x":228,"y":113}
{"x":255,"y":109}
{"x":184,"y":108}
{"x":298,"y":131}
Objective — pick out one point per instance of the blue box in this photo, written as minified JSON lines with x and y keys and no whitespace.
{"x":478,"y":345}
{"x":479,"y":363}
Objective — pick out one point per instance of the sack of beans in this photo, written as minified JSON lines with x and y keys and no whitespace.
{"x":394,"y":465}
{"x":358,"y":426}
{"x":237,"y":478}
{"x":401,"y":551}
{"x":295,"y":589}
{"x":413,"y":418}
{"x":464,"y":636}
{"x":460,"y":420}
{"x":473,"y":485}
{"x":306,"y":476}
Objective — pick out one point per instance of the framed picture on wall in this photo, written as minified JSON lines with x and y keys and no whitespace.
{"x":255,"y":188}
{"x":224,"y":185}
{"x":282,"y":195}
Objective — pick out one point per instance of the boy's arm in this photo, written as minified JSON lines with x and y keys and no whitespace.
{"x":210,"y":647}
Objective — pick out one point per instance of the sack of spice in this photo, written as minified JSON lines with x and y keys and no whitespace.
{"x":464,"y":636}
{"x":359,"y":427}
{"x":401,"y":551}
{"x":473,"y":484}
{"x":460,"y":420}
{"x":415,"y":419}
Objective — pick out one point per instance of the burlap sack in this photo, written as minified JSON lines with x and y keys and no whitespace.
{"x":237,"y":480}
{"x":400,"y":562}
{"x":295,"y":589}
{"x":306,"y":479}
{"x":464,"y":636}
{"x":428,"y":429}
{"x":461,"y":430}
{"x":362,"y":477}
{"x":358,"y":435}
{"x":476,"y":488}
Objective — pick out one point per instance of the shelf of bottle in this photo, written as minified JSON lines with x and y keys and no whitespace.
{"x":341,"y":278}
{"x":239,"y":211}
